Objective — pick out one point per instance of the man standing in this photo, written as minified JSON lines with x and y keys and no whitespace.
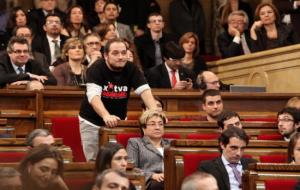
{"x":235,"y":40}
{"x":109,"y":82}
{"x":212,"y":104}
{"x":228,"y":168}
{"x":149,"y":45}
{"x":288,"y":121}
{"x":17,"y":68}
{"x":171,"y":74}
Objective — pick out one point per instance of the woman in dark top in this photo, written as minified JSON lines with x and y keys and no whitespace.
{"x":17,"y":17}
{"x":72,"y":72}
{"x":267,"y":32}
{"x":75,"y":24}
{"x":192,"y":60}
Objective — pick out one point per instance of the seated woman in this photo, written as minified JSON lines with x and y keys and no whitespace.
{"x":192,"y":60}
{"x":106,"y":31}
{"x":147,"y":151}
{"x":294,"y":149}
{"x":267,"y":32}
{"x":75,"y":24}
{"x":72,"y":72}
{"x":42,"y":169}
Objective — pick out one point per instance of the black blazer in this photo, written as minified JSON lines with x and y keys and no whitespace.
{"x":38,"y":19}
{"x":218,"y":170}
{"x":146,"y":48}
{"x":158,"y":76}
{"x":41,"y":44}
{"x":8,"y":74}
{"x":228,"y":48}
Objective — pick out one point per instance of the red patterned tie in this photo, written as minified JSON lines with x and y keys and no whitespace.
{"x":174,"y":80}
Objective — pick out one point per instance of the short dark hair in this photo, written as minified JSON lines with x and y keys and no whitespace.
{"x":105,"y":155}
{"x":155,"y":98}
{"x":113,"y":3}
{"x":294,"y":112}
{"x":154,"y":14}
{"x":210,"y":92}
{"x":230,"y":133}
{"x":173,"y":50}
{"x":295,"y":137}
{"x":15,"y":30}
{"x":100,"y":178}
{"x":110,"y":42}
{"x":52,"y":15}
{"x":225,"y":115}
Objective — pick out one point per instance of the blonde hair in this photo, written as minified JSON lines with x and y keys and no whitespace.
{"x":67,"y":45}
{"x":148,"y":114}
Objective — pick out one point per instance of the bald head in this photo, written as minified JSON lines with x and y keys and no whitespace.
{"x":208,"y":80}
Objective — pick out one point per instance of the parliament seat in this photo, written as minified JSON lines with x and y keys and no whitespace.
{"x":208,"y":136}
{"x":275,"y":136}
{"x":277,"y":158}
{"x":279,"y":184}
{"x":68,"y":129}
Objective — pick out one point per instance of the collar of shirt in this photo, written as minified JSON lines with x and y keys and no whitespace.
{"x":170,"y":72}
{"x":16,"y":67}
{"x":234,"y":184}
{"x":50,"y":39}
{"x":46,"y":12}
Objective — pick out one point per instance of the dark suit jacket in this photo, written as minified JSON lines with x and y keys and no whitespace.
{"x":218,"y":170}
{"x":8,"y":74}
{"x":158,"y":76}
{"x":286,"y":7}
{"x":228,"y":48}
{"x":38,"y":18}
{"x":146,"y":48}
{"x":41,"y":44}
{"x":286,"y":37}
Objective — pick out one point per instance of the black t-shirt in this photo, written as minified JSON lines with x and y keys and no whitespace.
{"x":115,"y":89}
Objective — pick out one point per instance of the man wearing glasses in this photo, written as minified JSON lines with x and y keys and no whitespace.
{"x":16,"y":67}
{"x":288,"y":121}
{"x":209,"y":80}
{"x":92,"y":46}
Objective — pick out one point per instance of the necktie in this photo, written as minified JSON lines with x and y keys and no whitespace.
{"x":56,"y":49}
{"x":236,"y":173}
{"x":174,"y":80}
{"x":245,"y":45}
{"x":158,"y":59}
{"x":20,"y":69}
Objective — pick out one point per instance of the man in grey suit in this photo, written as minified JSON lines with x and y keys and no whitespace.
{"x":111,"y":13}
{"x":228,"y":168}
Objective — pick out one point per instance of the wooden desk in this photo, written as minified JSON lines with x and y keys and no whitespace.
{"x":254,"y":177}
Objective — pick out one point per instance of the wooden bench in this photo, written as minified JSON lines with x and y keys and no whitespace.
{"x":174,"y":162}
{"x":259,"y":175}
{"x":78,"y":175}
{"x":183,"y":128}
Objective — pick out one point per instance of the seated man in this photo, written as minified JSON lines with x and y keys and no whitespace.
{"x":288,"y":121}
{"x":293,"y":102}
{"x":228,"y":168}
{"x":209,"y":80}
{"x":171,"y":74}
{"x":10,"y":179}
{"x":17,"y":68}
{"x":199,"y":181}
{"x":111,"y":179}
{"x":212,"y":104}
{"x":235,"y":40}
{"x":39,"y":136}
{"x":229,"y":119}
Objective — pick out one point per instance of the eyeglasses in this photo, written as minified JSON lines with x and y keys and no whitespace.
{"x":236,"y":22}
{"x":153,"y":124}
{"x":93,"y":44}
{"x":26,"y":51}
